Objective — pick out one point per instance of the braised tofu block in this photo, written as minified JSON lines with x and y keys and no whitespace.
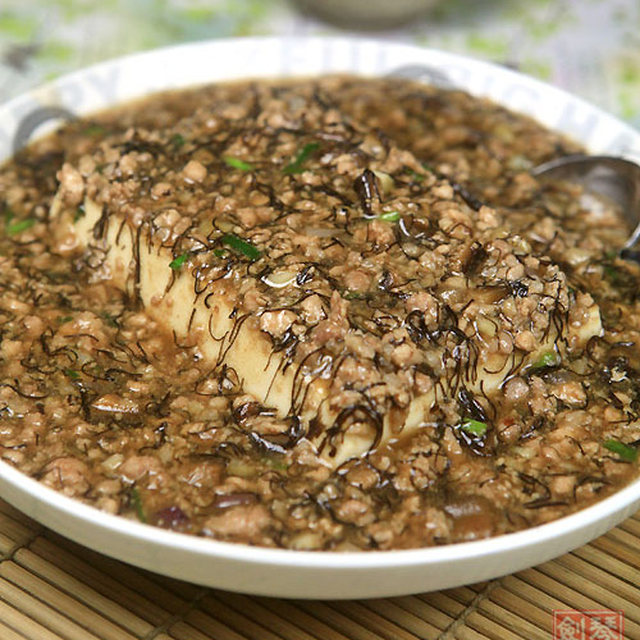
{"x":347,"y":285}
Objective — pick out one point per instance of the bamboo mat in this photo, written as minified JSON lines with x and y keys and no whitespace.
{"x":53,"y":589}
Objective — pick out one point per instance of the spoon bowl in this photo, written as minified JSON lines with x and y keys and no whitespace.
{"x":614,"y":178}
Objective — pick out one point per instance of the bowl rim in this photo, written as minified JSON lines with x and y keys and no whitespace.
{"x":334,"y":560}
{"x":27,"y":487}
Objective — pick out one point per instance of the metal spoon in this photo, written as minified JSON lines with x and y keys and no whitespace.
{"x":614,"y":178}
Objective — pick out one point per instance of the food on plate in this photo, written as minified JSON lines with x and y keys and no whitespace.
{"x":335,"y":313}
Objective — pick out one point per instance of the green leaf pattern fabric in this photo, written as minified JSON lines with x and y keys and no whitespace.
{"x":588,"y":47}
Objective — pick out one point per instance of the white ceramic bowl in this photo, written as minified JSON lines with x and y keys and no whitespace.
{"x":303,"y":574}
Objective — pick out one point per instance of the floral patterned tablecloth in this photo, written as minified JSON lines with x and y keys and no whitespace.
{"x":589,"y":47}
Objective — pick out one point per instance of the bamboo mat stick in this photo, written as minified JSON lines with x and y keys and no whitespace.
{"x":22,"y":623}
{"x":627,"y":539}
{"x":628,"y":555}
{"x":211,"y":627}
{"x":15,"y":533}
{"x":597,"y":592}
{"x":43,"y":613}
{"x":613,"y":585}
{"x":467,"y":633}
{"x":83,"y":593}
{"x":7,"y":545}
{"x":442,"y":601}
{"x":572,"y":598}
{"x":534,"y":596}
{"x":375,"y":623}
{"x":425,"y":611}
{"x":213,"y":606}
{"x":349,"y":625}
{"x":421,"y":627}
{"x":632,"y":526}
{"x":7,"y":633}
{"x":609,"y":563}
{"x":320,"y":621}
{"x":62,"y":603}
{"x":504,"y":616}
{"x":257,"y":611}
{"x":117,"y":581}
{"x":517,"y":607}
{"x":489,"y":628}
{"x":183,"y":631}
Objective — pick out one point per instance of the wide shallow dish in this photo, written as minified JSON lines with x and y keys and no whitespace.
{"x":302,"y":574}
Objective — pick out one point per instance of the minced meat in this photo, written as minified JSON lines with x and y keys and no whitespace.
{"x":456,"y":340}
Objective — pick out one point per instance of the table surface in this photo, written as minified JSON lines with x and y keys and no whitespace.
{"x":51,"y":589}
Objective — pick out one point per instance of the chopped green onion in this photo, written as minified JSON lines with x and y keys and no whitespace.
{"x":354,"y":295}
{"x":389,"y":216}
{"x":279,"y":465}
{"x":136,"y":502}
{"x":611,"y":273}
{"x":236,"y":163}
{"x":625,"y":451}
{"x":220,"y":253}
{"x":94,"y":130}
{"x":474,"y":427}
{"x":177,"y":140}
{"x":241,"y":246}
{"x":74,"y":375}
{"x":109,"y":319}
{"x":18,"y":227}
{"x":64,"y":319}
{"x":547,"y":359}
{"x":176,"y":263}
{"x":418,"y":177}
{"x":301,"y":158}
{"x":80,"y":213}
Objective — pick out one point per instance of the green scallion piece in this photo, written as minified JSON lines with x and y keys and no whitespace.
{"x":474,"y":427}
{"x":64,"y":319}
{"x":611,"y":273}
{"x":241,"y":246}
{"x":389,"y":216}
{"x":220,"y":253}
{"x":94,"y":130}
{"x":236,"y":163}
{"x":177,"y":263}
{"x":74,"y":375}
{"x":301,"y":158}
{"x":136,"y":503}
{"x":177,"y":140}
{"x":14,"y":228}
{"x":80,"y":213}
{"x":547,"y":359}
{"x":279,"y":465}
{"x":109,"y":319}
{"x":354,"y":295}
{"x":624,"y":451}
